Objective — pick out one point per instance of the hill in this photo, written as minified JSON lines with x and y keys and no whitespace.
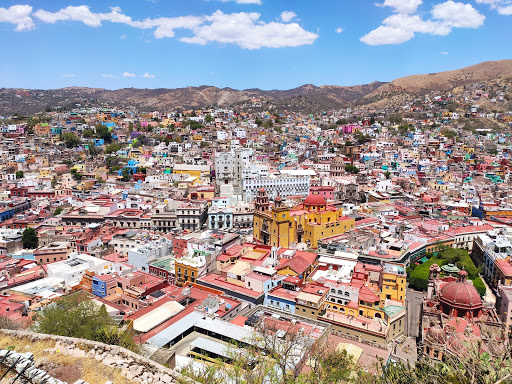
{"x":399,"y":90}
{"x":304,"y":98}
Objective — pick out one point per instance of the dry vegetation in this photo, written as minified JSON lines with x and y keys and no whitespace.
{"x":64,"y":367}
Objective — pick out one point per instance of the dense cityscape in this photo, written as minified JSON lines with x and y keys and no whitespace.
{"x":242,"y":241}
{"x":256,"y":192}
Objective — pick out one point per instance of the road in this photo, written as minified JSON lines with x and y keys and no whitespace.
{"x":413,"y":303}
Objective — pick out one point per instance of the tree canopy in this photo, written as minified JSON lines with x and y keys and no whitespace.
{"x":70,"y":139}
{"x":76,"y":316}
{"x":29,"y":238}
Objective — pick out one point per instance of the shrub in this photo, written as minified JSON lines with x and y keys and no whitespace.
{"x":479,"y":285}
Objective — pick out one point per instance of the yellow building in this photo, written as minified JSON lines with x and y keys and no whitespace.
{"x":80,"y":168}
{"x":45,"y":172}
{"x":393,"y":286}
{"x":308,"y":222}
{"x":187,"y":268}
{"x":200,"y":171}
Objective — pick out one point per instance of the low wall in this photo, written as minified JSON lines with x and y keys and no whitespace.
{"x":133,"y":366}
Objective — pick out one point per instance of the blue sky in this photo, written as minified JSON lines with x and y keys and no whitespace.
{"x":269,"y":44}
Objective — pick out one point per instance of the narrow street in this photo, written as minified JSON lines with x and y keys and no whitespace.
{"x":414,"y":301}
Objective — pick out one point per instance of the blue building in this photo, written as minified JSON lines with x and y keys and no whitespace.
{"x":6,"y":214}
{"x":101,"y":284}
{"x":132,"y":166}
{"x":281,"y":298}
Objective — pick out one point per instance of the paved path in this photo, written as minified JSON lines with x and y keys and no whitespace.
{"x":413,"y":305}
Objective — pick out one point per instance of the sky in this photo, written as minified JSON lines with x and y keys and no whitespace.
{"x":267,"y":44}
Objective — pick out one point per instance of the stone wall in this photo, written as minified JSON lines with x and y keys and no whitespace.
{"x":133,"y":366}
{"x":22,"y":366}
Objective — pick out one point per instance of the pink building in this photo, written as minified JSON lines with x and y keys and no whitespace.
{"x":350,"y":128}
{"x":325,"y":191}
{"x":505,"y":306}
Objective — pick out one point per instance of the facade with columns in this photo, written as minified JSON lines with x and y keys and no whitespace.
{"x":282,"y":226}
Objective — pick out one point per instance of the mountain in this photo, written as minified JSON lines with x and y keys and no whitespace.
{"x":305,"y":98}
{"x":418,"y":85}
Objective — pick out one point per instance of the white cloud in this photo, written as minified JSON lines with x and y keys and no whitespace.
{"x":387,"y":35}
{"x":402,"y":6}
{"x":444,"y":53}
{"x":244,"y":29}
{"x":69,"y":75}
{"x":399,"y":28}
{"x":148,"y":76}
{"x":504,"y":7}
{"x":505,"y":10}
{"x":458,"y":15}
{"x":123,"y":37}
{"x":247,"y":31}
{"x":288,"y":16}
{"x":128,"y":74}
{"x":165,"y":26}
{"x":18,"y":15}
{"x":110,"y":76}
{"x":339,"y":30}
{"x":83,"y":14}
{"x":402,"y":26}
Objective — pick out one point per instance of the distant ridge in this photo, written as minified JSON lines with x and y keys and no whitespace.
{"x":307,"y":97}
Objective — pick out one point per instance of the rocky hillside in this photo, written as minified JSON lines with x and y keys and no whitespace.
{"x":307,"y":97}
{"x":400,"y":90}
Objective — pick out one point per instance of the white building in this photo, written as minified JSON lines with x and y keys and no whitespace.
{"x":254,"y":170}
{"x":71,"y":270}
{"x":229,"y":165}
{"x":284,"y":185}
{"x":240,"y":133}
{"x":141,"y":256}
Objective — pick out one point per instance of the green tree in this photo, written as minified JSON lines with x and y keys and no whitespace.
{"x":113,"y":147}
{"x":93,"y":150}
{"x":58,"y":211}
{"x":29,"y":238}
{"x":113,"y":161}
{"x":126,"y":174}
{"x":75,"y":174}
{"x":70,"y":139}
{"x":19,"y":174}
{"x":351,"y":169}
{"x":76,"y":315}
{"x":208,"y":118}
{"x":395,"y":118}
{"x":448,"y":133}
{"x":88,"y":133}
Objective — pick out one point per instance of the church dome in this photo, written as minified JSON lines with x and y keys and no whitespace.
{"x":436,"y":335}
{"x":460,"y":293}
{"x":338,"y":160}
{"x":315,"y":199}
